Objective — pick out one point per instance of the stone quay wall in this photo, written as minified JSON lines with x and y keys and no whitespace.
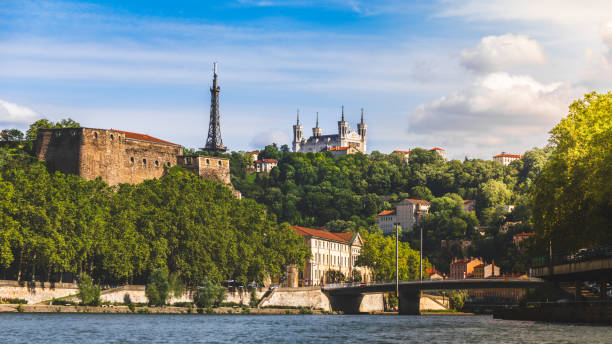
{"x":35,"y":292}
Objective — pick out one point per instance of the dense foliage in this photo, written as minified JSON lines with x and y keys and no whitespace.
{"x":572,"y":199}
{"x":52,"y":223}
{"x":378,"y":253}
{"x":209,"y":294}
{"x":89,"y":293}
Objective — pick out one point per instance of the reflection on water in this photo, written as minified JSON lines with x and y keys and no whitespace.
{"x":128,"y":328}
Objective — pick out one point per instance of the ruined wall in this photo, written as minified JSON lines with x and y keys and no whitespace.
{"x":207,"y":167}
{"x":109,"y":154}
{"x":60,"y":148}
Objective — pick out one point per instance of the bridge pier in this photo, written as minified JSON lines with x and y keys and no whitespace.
{"x":347,"y":304}
{"x":410,"y":302}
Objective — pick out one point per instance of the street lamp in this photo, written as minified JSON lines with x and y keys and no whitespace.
{"x":421,"y":258}
{"x":397,"y":229}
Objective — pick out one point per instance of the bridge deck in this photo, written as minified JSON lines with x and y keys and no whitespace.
{"x":381,"y":287}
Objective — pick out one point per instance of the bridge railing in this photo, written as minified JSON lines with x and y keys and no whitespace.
{"x":581,"y":255}
{"x":387,"y":282}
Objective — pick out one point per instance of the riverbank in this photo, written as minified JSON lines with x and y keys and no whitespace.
{"x":16,"y":308}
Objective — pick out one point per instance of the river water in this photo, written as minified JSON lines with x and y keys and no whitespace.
{"x":151,"y":328}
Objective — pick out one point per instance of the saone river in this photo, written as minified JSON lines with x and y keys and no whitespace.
{"x":132,"y":328}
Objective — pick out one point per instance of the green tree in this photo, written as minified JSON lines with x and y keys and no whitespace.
{"x":457,"y":299}
{"x":378,"y":253}
{"x":88,"y":292}
{"x":572,"y":195}
{"x":209,"y":294}
{"x":158,"y":289}
{"x":11,"y":135}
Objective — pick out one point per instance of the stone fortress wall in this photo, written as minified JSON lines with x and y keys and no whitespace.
{"x":207,"y":167}
{"x":114,"y":155}
{"x":120,"y":157}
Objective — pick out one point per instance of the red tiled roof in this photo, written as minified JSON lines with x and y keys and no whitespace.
{"x":143,"y":137}
{"x":436,"y":149}
{"x":386,"y":212}
{"x":270,"y":160}
{"x":504,"y":155}
{"x":309,"y":232}
{"x":525,"y":234}
{"x":401,"y":152}
{"x":467,"y":200}
{"x":418,"y":201}
{"x":338,"y":148}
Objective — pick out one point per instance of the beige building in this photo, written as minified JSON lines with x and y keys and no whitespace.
{"x":265,"y":165}
{"x":407,"y":213}
{"x":340,"y":151}
{"x":505,"y":158}
{"x":404,"y":154}
{"x":485,"y":270}
{"x":330,"y":251}
{"x":440,"y":151}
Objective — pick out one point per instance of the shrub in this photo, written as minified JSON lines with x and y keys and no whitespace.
{"x":132,"y":307}
{"x":209,"y":310}
{"x":60,"y":302}
{"x":20,"y":308}
{"x":158,"y":288}
{"x":12,"y":300}
{"x":88,"y":292}
{"x":457,"y":299}
{"x":200,"y":310}
{"x":305,"y":310}
{"x":127,"y":299}
{"x":144,"y":310}
{"x":209,"y":294}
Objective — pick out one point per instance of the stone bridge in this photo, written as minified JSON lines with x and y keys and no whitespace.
{"x":348,"y":297}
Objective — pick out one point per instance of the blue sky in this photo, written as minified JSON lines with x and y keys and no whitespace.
{"x":475,"y":78}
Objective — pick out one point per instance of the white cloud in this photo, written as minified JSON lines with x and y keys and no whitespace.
{"x":510,"y":112}
{"x":606,"y":34}
{"x":13,"y":114}
{"x":495,"y":53}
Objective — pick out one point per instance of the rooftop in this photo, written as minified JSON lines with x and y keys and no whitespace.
{"x":401,"y":152}
{"x":506,"y":155}
{"x":309,"y":232}
{"x":386,"y":212}
{"x":437,"y":149}
{"x":417,"y":201}
{"x":143,"y":137}
{"x":338,"y":148}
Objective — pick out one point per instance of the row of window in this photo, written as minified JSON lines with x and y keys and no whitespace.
{"x":330,"y":245}
{"x":189,"y":161}
{"x":144,"y":162}
{"x":332,"y":260}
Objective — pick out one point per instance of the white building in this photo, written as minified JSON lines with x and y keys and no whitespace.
{"x":319,"y":142}
{"x":440,"y":151}
{"x":407,"y":213}
{"x":505,"y":158}
{"x":265,"y":165}
{"x":330,"y":251}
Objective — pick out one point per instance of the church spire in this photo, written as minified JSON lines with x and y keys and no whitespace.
{"x":298,"y":117}
{"x":317,"y":120}
{"x":361,"y":115}
{"x":342,"y":113}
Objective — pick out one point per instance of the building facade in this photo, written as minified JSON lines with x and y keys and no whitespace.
{"x":330,"y":251}
{"x":485,"y":270}
{"x":407,"y":213}
{"x":463,"y":268}
{"x":505,"y":158}
{"x":264,"y":165}
{"x":319,"y":142}
{"x":207,"y":167}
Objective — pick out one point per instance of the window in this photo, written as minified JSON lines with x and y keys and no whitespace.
{"x":132,"y":160}
{"x":188,"y":160}
{"x":112,"y":137}
{"x":220,"y":164}
{"x":207,"y":161}
{"x":144,"y":162}
{"x":168,"y":164}
{"x":156,"y":163}
{"x":95,"y":135}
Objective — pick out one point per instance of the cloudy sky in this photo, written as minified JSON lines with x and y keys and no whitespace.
{"x":473,"y":77}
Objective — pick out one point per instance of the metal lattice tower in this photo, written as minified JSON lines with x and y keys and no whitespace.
{"x":214,"y":143}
